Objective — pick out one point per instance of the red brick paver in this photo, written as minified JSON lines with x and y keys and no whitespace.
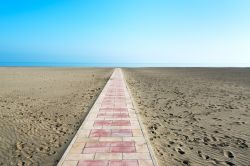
{"x":111,"y":135}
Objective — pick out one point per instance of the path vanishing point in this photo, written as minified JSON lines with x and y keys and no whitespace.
{"x":111,"y":134}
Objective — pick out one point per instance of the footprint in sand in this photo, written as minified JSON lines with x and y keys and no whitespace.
{"x":179,"y":150}
{"x":185,"y":162}
{"x":229,"y":163}
{"x":205,"y":157}
{"x":229,"y":154}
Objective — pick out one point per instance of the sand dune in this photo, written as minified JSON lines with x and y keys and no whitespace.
{"x":195,"y":116}
{"x":41,"y":109}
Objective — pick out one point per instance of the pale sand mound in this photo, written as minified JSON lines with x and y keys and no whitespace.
{"x":41,"y":109}
{"x":195,"y":116}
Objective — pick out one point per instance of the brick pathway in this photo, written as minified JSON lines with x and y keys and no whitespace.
{"x":111,"y":135}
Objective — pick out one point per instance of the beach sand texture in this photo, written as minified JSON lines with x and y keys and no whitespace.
{"x":195,"y":116}
{"x":42,"y":108}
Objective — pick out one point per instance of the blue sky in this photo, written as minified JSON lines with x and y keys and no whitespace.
{"x":200,"y":32}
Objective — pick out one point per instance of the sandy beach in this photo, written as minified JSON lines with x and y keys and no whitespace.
{"x":194,"y":116}
{"x":42,"y":108}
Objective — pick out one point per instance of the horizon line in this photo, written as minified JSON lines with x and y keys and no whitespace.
{"x":80,"y":64}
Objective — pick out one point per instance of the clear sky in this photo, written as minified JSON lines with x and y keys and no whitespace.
{"x":203,"y":32}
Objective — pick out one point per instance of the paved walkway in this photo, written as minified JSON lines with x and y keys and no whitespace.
{"x":111,"y":135}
